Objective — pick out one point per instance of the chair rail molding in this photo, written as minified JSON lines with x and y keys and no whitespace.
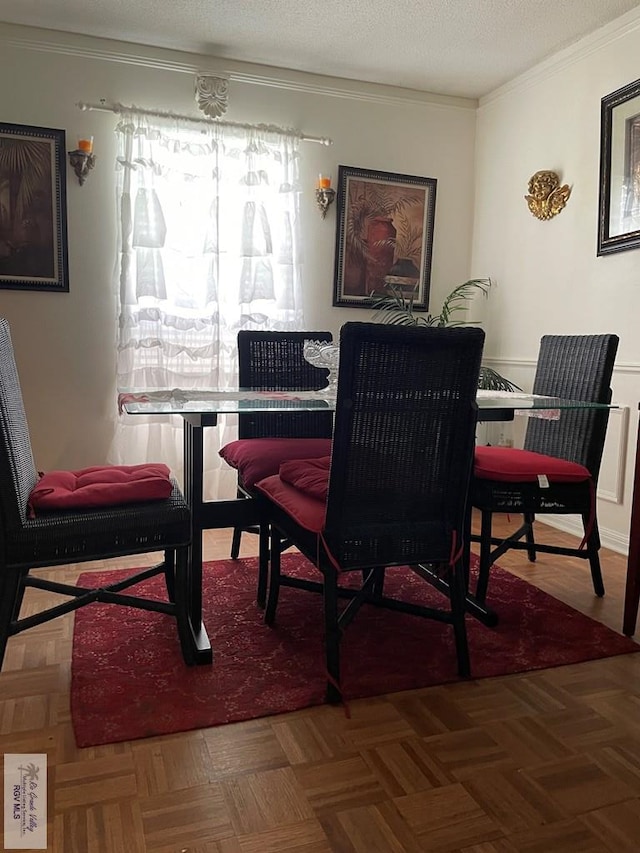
{"x":623,"y":367}
{"x":612,"y":470}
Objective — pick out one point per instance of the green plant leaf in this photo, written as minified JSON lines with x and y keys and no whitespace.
{"x":456,"y":300}
{"x":397,"y":308}
{"x":491,"y":380}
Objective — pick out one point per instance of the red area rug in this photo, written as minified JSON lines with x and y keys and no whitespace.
{"x":129,"y":680}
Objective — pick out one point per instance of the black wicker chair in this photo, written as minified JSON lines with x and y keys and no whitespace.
{"x":557,"y":470}
{"x":397,"y":487}
{"x":275,"y":360}
{"x":59,"y":538}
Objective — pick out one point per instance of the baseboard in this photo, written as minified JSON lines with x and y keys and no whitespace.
{"x":609,"y":538}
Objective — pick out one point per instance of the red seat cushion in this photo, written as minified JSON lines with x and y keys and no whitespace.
{"x":310,"y":476}
{"x":100,"y":486}
{"x":512,"y":465}
{"x":307,"y":511}
{"x":257,"y":458}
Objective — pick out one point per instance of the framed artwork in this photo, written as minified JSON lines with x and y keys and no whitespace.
{"x":619,"y":208}
{"x":384,"y":236}
{"x":33,"y":208}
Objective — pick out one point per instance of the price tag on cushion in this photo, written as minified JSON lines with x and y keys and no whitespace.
{"x":107,"y":485}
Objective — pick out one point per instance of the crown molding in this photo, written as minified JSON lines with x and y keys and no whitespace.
{"x":563,"y":59}
{"x":125,"y":53}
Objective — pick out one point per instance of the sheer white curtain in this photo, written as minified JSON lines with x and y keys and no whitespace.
{"x":208,"y":244}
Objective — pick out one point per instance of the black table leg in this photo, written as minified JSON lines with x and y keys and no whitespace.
{"x":479,"y":609}
{"x":193,"y":482}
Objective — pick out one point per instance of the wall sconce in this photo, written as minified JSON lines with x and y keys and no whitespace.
{"x":324,"y":194}
{"x":82,"y":160}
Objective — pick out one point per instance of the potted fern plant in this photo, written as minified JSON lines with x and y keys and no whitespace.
{"x":396,"y":307}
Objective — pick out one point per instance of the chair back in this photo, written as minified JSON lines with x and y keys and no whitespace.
{"x":18,"y":474}
{"x":575,"y":367}
{"x":276,"y":360}
{"x":403,"y":443}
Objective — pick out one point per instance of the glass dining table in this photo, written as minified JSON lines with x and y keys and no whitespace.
{"x":201,"y":408}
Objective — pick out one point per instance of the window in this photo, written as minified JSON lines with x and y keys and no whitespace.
{"x":208,"y":245}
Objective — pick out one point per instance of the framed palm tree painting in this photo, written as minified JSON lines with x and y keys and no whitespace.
{"x":33,"y":209}
{"x":384,"y":237}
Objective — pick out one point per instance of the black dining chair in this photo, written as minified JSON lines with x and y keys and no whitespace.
{"x":393,"y":492}
{"x":556,"y":471}
{"x":275,"y":360}
{"x":35,"y":540}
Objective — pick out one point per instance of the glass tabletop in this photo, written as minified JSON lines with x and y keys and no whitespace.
{"x":238,"y":400}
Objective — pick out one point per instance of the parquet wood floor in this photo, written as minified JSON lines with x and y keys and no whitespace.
{"x":547,"y":762}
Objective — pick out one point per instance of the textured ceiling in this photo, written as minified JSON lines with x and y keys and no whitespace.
{"x":451,"y":47}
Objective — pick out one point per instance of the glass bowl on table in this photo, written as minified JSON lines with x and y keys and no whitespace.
{"x":327,"y":355}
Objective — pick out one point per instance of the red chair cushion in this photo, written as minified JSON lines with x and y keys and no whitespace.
{"x":100,"y":486}
{"x":512,"y":465}
{"x":257,"y":458}
{"x":310,"y":476}
{"x":307,"y":511}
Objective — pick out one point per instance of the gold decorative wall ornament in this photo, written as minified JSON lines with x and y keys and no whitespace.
{"x":212,"y":95}
{"x":546,"y":196}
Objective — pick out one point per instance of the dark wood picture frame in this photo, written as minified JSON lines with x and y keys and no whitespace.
{"x":619,"y":207}
{"x":384,"y":236}
{"x":33,"y":208}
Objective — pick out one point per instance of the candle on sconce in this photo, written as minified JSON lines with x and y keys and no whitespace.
{"x":85,"y":144}
{"x":324,"y":193}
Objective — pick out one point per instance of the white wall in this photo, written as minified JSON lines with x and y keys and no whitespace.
{"x":548,"y":277}
{"x":65,"y":343}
